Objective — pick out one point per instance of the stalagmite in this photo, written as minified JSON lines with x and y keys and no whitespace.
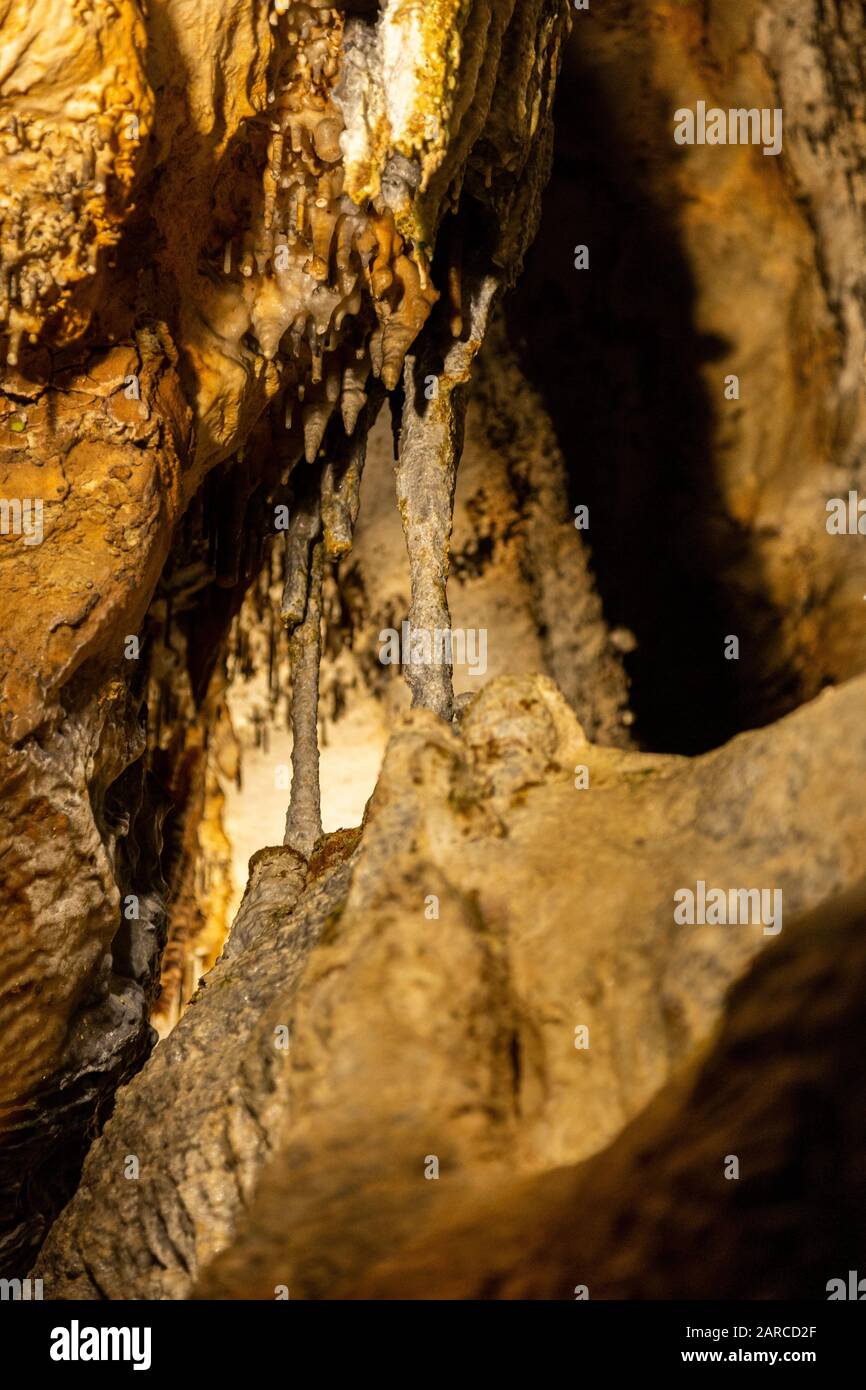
{"x":304,"y":818}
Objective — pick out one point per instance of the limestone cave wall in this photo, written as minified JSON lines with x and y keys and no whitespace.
{"x":329,"y":326}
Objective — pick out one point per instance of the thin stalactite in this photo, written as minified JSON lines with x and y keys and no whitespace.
{"x":305,"y":526}
{"x":341,"y":480}
{"x":431,"y":442}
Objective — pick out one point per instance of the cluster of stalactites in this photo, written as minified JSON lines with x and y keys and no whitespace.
{"x":53,"y":215}
{"x":332,"y":291}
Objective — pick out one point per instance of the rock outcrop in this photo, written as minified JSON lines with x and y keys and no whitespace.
{"x":664,"y":1213}
{"x":420,"y":1000}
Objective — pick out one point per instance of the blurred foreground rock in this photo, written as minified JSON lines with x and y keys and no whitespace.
{"x":658,"y":1215}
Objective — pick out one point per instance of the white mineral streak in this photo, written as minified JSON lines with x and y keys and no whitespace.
{"x":361,"y":101}
{"x":398,"y":89}
{"x":421,"y":53}
{"x":404,"y":62}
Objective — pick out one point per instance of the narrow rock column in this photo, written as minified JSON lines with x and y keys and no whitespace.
{"x":341,"y":479}
{"x":431,"y":442}
{"x":304,"y":818}
{"x":304,"y":530}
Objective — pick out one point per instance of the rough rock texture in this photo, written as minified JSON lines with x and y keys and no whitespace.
{"x":200,"y":1127}
{"x":109,"y":473}
{"x":193,"y":190}
{"x":76,"y":108}
{"x":145,"y":183}
{"x":67,"y":951}
{"x":708,"y":515}
{"x":415,"y":1035}
{"x":654,"y":1216}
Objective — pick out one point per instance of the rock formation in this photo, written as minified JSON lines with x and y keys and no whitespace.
{"x":654,"y":1216}
{"x":452,"y":1033}
{"x":285,"y":374}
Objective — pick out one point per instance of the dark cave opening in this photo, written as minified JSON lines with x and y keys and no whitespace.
{"x":616,"y":356}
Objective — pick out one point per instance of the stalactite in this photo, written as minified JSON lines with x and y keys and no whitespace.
{"x":331,"y":289}
{"x":431,"y":440}
{"x":272,"y":654}
{"x":341,"y":482}
{"x":426,"y":477}
{"x":304,"y":528}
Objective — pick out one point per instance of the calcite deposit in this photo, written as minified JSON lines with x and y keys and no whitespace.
{"x":322,"y":321}
{"x":327,"y":282}
{"x":206,"y":303}
{"x":76,"y":111}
